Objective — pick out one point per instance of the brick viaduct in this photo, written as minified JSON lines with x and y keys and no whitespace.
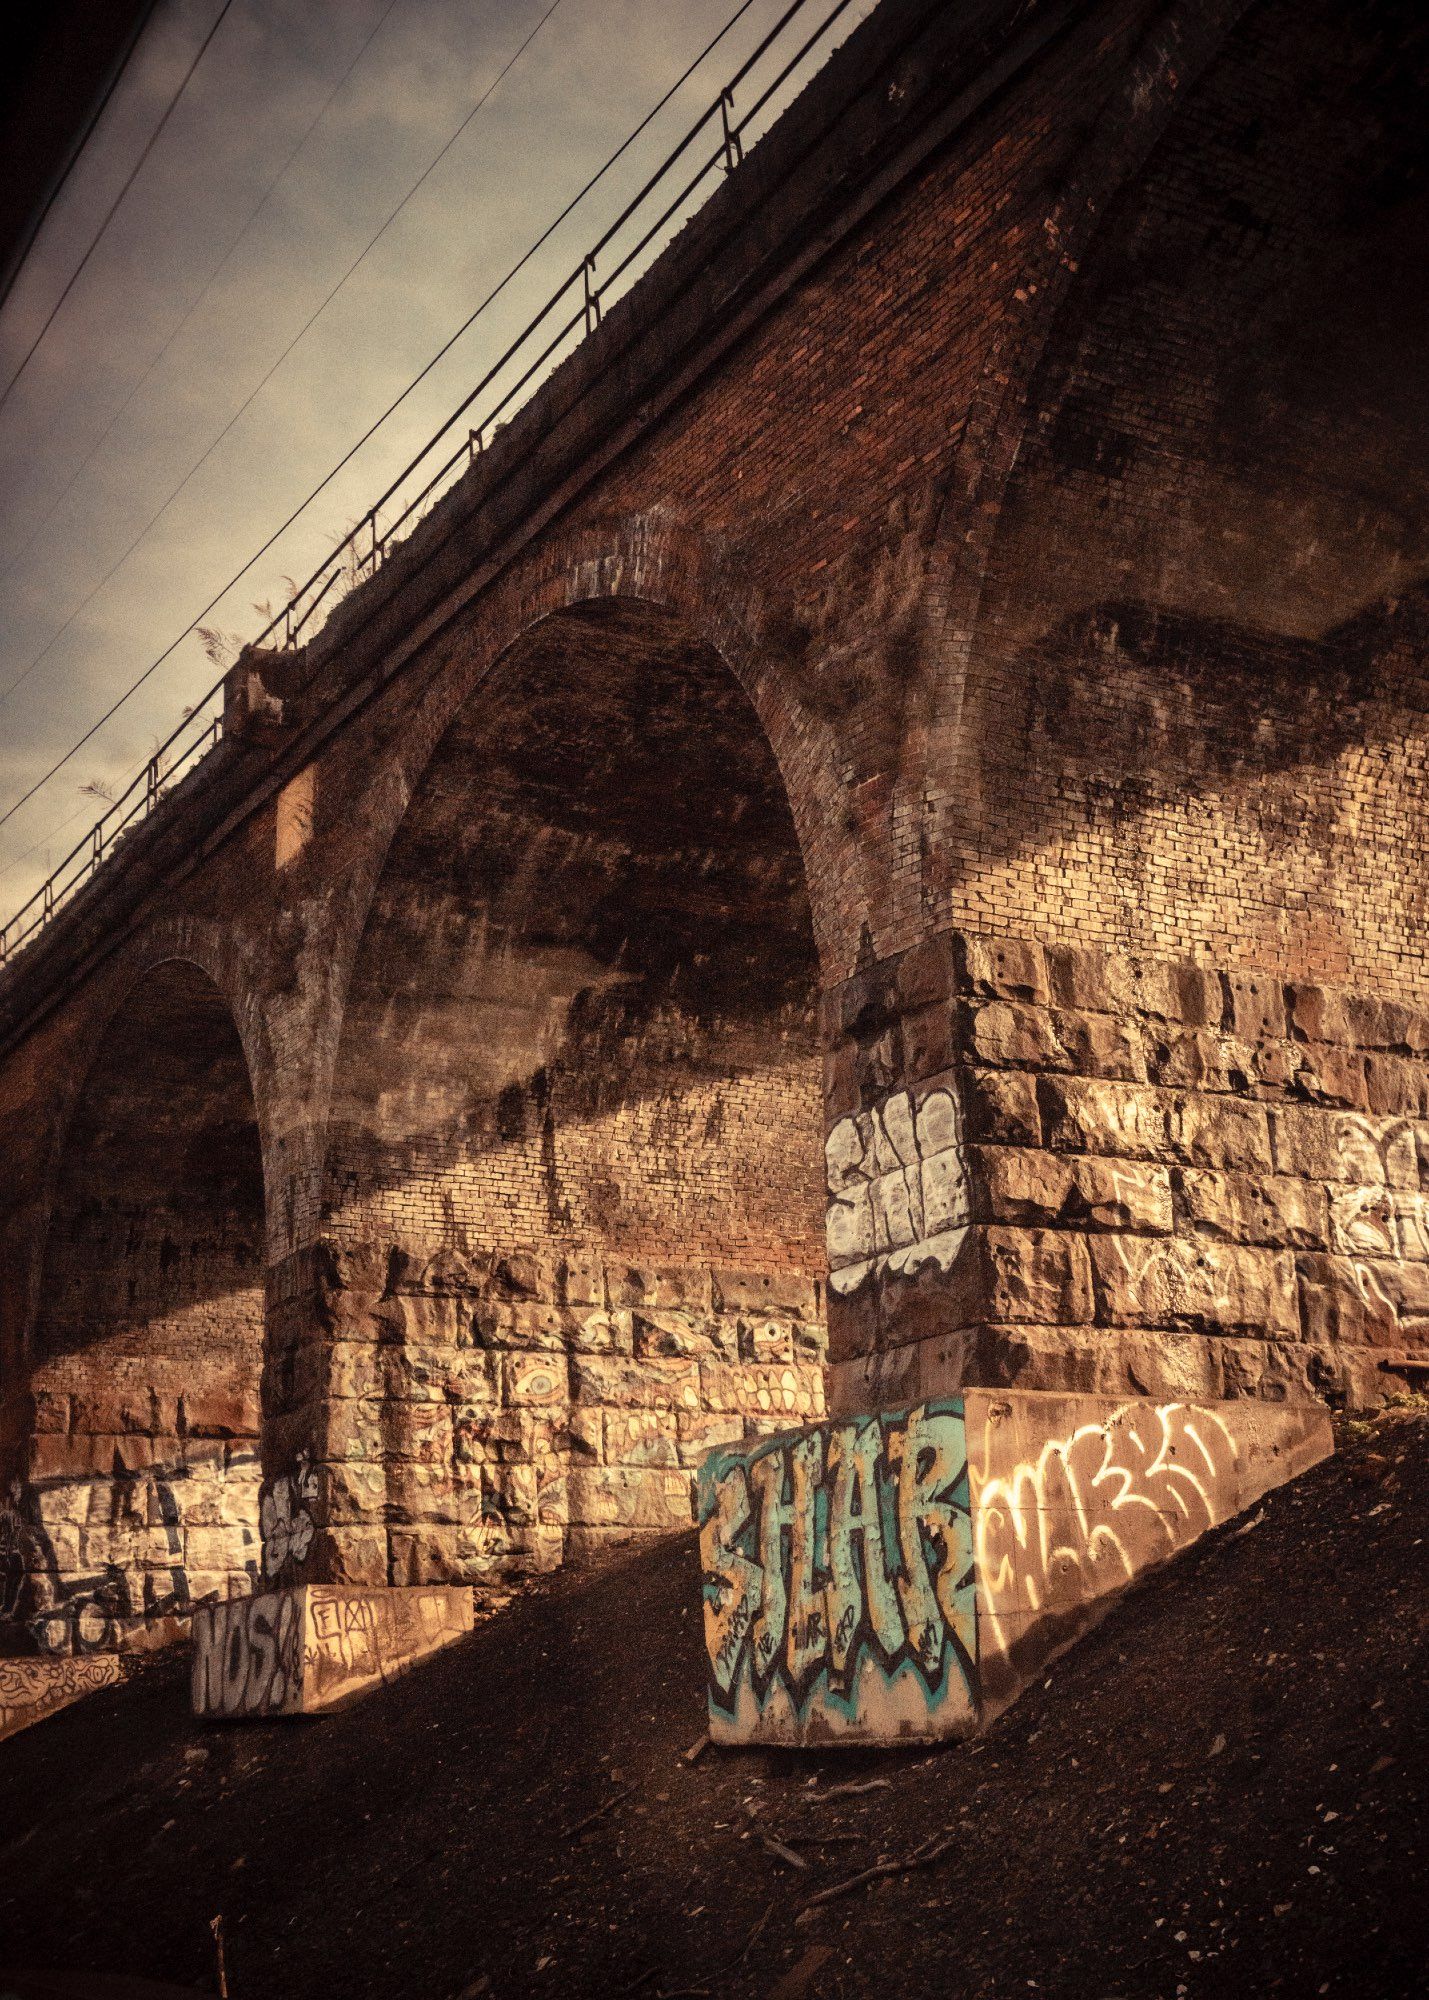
{"x":875,"y":841}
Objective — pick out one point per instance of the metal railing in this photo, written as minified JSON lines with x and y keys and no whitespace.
{"x":711,"y":149}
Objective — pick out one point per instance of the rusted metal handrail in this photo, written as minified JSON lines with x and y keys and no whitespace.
{"x":201,"y":729}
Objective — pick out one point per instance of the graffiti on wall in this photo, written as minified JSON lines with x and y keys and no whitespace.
{"x":1093,"y":1509}
{"x":33,"y":1689}
{"x":307,"y":1647}
{"x":285,"y":1519}
{"x":248,"y":1655}
{"x":898,"y":1189}
{"x":838,"y":1571}
{"x":356,"y":1638}
{"x":73,"y":1607}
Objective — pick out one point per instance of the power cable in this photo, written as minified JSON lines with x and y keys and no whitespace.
{"x":116,"y":70}
{"x":258,"y":389}
{"x":10,"y":866}
{"x":209,"y":284}
{"x":257,"y":556}
{"x":114,"y":206}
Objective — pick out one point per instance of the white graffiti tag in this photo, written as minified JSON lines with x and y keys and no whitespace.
{"x":898,"y":1189}
{"x":285,"y":1520}
{"x":1096,"y":1508}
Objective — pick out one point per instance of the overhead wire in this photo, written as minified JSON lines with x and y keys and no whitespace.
{"x":258,"y":554}
{"x":118,"y":65}
{"x":116,"y":204}
{"x":253,"y":395}
{"x":214,"y":275}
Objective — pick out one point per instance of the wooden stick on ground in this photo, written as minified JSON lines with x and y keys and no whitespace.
{"x":921,"y":1857}
{"x":599,"y":1813}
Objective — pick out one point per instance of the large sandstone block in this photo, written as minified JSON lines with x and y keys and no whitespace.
{"x":1179,"y":1281}
{"x":1091,"y":1115}
{"x":299,"y":1651}
{"x":1210,"y":1131}
{"x":904,"y":1576}
{"x":621,"y":1382}
{"x":1273,"y":1210}
{"x":1018,"y":1184}
{"x":611,"y":1496}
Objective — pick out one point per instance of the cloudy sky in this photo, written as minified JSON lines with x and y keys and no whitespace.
{"x":141,"y":462}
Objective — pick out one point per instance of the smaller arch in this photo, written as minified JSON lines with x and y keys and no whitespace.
{"x":145,"y":1351}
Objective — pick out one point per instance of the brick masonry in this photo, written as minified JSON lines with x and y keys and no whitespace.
{"x":959,"y":622}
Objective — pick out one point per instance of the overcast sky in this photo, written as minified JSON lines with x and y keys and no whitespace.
{"x":303,"y":127}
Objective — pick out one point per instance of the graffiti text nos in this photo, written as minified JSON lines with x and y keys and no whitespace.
{"x":248,"y":1655}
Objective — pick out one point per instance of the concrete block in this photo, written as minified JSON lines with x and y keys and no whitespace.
{"x":33,"y":1689}
{"x":904,"y":1576}
{"x":300,"y":1651}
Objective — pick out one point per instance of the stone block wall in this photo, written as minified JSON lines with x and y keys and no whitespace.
{"x":1124,"y":1175}
{"x":120,"y":1532}
{"x":571,"y":1222}
{"x":463,"y":1416}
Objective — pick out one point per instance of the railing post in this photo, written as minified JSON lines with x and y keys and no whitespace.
{"x":733,"y":144}
{"x":152,"y":784}
{"x":473,"y":445}
{"x":592,"y":295}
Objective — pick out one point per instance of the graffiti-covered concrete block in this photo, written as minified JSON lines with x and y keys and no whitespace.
{"x":33,"y":1689}
{"x":311,"y":1647}
{"x":838,"y":1591}
{"x":904,"y":1576}
{"x":1073,"y":1497}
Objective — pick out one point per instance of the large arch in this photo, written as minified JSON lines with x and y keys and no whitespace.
{"x":145,"y":1351}
{"x":1217,"y":511}
{"x":573,"y":1199}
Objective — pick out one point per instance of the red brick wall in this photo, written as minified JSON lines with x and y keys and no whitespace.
{"x":1197,"y":716}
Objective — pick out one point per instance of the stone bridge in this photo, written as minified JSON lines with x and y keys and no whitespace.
{"x":874,"y":843}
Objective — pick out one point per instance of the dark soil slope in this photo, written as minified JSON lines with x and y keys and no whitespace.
{"x":1218,"y":1793}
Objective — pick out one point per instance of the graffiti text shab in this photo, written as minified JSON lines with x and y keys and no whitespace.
{"x":838,"y":1570}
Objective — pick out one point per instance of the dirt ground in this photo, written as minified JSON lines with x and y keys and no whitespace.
{"x":1218,"y":1793}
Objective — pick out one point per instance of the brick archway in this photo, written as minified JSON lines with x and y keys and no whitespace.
{"x":574,"y":1152}
{"x":146,"y":1349}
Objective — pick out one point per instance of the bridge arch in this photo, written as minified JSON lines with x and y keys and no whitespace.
{"x":1200,"y":608}
{"x":1163,"y":61}
{"x":145,"y":1346}
{"x":574,"y":1169}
